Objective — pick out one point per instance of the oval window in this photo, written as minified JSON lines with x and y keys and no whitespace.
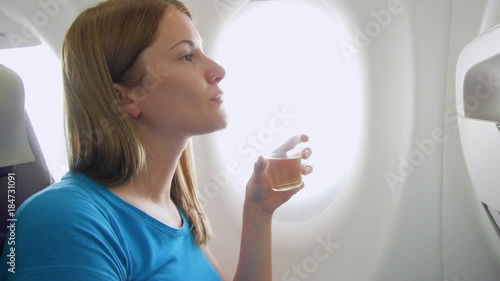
{"x":287,"y":74}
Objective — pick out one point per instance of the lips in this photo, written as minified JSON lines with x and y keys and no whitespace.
{"x":217,"y":97}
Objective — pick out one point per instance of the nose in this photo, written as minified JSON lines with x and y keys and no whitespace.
{"x":216,"y":73}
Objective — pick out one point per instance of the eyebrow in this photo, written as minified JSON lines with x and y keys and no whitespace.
{"x":189,"y":42}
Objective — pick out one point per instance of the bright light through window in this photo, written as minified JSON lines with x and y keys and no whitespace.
{"x":286,"y":74}
{"x":40,"y":70}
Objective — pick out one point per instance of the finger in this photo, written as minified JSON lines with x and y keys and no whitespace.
{"x":302,"y":138}
{"x":306,"y":153}
{"x":307,"y":169}
{"x":259,"y":169}
{"x":260,"y":165}
{"x":291,"y":143}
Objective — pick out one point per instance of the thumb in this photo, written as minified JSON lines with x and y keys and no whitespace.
{"x":259,"y":169}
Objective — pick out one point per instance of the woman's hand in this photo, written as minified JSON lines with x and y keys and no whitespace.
{"x":255,"y":262}
{"x":259,"y":192}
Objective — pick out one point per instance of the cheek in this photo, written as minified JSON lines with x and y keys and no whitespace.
{"x":184,"y":92}
{"x":174,"y":103}
{"x":176,"y":88}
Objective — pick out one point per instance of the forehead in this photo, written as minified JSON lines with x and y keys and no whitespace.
{"x":176,"y":26}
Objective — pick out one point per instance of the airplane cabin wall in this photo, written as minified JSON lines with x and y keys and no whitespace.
{"x":468,"y":244}
{"x":408,"y":207}
{"x":372,"y":214}
{"x":471,"y":248}
{"x":408,"y":210}
{"x":354,"y":228}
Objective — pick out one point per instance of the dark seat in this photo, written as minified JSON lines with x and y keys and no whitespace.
{"x":20,"y":153}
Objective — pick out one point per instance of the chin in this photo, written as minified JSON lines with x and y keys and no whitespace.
{"x":218,"y":125}
{"x":221,"y":125}
{"x":222,"y":122}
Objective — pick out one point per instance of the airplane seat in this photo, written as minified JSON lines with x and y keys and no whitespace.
{"x":23,"y":170}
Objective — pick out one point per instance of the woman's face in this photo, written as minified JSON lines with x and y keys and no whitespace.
{"x":179,"y":94}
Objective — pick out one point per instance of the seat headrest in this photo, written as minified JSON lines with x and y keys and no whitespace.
{"x":14,"y":145}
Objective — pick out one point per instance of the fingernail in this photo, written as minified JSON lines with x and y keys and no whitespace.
{"x":306,"y":152}
{"x":308,"y":169}
{"x":304,"y":137}
{"x":261,"y":161}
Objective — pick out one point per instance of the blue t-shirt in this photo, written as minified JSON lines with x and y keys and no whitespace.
{"x":78,"y":230}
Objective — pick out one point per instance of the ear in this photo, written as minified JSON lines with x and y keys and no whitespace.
{"x":130,"y":105}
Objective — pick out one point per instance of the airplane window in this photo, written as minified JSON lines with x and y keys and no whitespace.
{"x":40,"y":71}
{"x":287,"y":74}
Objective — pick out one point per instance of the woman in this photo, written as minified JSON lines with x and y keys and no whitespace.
{"x":137,"y":88}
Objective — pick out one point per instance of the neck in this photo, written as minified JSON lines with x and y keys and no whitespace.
{"x":154,"y":183}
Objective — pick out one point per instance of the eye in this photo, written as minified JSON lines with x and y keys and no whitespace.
{"x":187,"y":57}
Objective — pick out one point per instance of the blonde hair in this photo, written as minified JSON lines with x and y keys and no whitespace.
{"x":101,"y":48}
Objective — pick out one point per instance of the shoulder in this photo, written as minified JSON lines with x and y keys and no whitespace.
{"x":73,"y":195}
{"x":66,"y":228}
{"x":66,"y":207}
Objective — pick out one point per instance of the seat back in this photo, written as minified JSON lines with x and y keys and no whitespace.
{"x":23,"y":170}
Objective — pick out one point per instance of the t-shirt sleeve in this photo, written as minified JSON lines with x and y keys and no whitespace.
{"x":64,"y":236}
